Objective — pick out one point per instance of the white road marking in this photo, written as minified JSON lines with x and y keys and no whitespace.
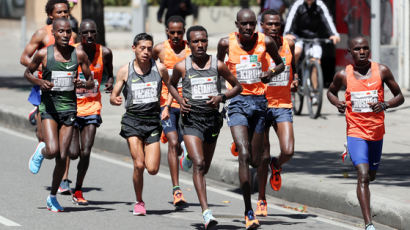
{"x":101,"y":157}
{"x":7,"y":222}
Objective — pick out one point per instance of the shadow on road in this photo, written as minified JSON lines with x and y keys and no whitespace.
{"x":15,"y":83}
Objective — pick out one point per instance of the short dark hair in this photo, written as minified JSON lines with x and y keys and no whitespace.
{"x":87,"y":20}
{"x":50,"y":5}
{"x":269,"y":12}
{"x":60,"y":20}
{"x":175,"y":18}
{"x":195,"y":28}
{"x":351,"y":39}
{"x":142,"y":36}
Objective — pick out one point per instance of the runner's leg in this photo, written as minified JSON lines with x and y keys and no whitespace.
{"x":284,"y":131}
{"x":135,"y":144}
{"x":263,"y":167}
{"x":152,"y":157}
{"x":87,"y":141}
{"x":174,"y":149}
{"x":363,"y":192}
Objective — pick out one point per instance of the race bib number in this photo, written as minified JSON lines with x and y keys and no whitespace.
{"x":170,"y":71}
{"x":204,"y":87}
{"x":144,"y":93}
{"x":82,"y":92}
{"x":249,"y":70}
{"x":281,"y":79}
{"x":63,"y":80}
{"x":361,"y":99}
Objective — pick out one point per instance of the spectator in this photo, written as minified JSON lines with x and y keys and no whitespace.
{"x":174,"y":7}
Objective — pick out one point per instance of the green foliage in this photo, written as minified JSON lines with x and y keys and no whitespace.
{"x":117,"y":2}
{"x":208,"y":2}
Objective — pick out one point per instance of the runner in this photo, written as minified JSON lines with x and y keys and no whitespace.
{"x":169,"y":53}
{"x":201,"y":120}
{"x":279,"y":113}
{"x":43,"y":37}
{"x":88,"y":107}
{"x":58,"y":101}
{"x":246,"y":50}
{"x":141,"y":83}
{"x":364,"y":107}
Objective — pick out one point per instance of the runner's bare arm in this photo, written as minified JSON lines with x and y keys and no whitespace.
{"x":108,"y":69}
{"x":36,"y":42}
{"x":179,"y":71}
{"x":122,"y":76}
{"x":163,"y":72}
{"x":398,"y":99}
{"x":223,"y":49}
{"x":295,"y":83}
{"x":39,"y":58}
{"x":272,"y":50}
{"x":233,"y":81}
{"x":85,"y":67}
{"x":156,"y":52}
{"x":339,"y":80}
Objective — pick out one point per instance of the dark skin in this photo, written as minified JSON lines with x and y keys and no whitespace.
{"x":85,"y":136}
{"x":248,"y":142}
{"x":175,"y":32}
{"x":359,"y":49}
{"x":58,"y":137}
{"x":200,"y":152}
{"x":144,"y":155}
{"x":271,"y":25}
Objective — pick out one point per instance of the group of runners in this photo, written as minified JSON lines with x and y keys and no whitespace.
{"x":172,"y":93}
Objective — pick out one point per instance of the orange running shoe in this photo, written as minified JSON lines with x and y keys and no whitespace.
{"x":78,"y":198}
{"x":275,"y":178}
{"x":234,"y":150}
{"x":261,"y":208}
{"x":179,"y":198}
{"x":250,"y":221}
{"x":164,"y":139}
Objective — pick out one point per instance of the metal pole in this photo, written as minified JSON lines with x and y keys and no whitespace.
{"x":23,"y":31}
{"x":138,"y":16}
{"x":375,"y":30}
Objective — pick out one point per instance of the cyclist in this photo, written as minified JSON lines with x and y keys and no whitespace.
{"x":310,"y":19}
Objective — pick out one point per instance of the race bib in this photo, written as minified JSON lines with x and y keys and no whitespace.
{"x":361,"y":99}
{"x":281,"y":79}
{"x":63,"y":80}
{"x":204,"y":87}
{"x":249,"y":70}
{"x":82,"y":92}
{"x":144,"y":93}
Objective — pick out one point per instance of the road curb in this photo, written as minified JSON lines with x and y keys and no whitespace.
{"x":385,"y":211}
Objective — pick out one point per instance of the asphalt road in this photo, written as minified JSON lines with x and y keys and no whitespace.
{"x":108,"y":187}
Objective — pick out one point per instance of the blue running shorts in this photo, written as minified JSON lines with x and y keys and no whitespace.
{"x":365,"y":152}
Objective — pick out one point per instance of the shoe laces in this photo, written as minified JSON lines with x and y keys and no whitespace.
{"x":207,"y":215}
{"x":251,"y":215}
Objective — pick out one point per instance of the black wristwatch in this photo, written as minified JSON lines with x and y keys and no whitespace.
{"x":223,"y":97}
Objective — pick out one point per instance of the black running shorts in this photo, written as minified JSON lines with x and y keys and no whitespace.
{"x":147,"y":128}
{"x":62,"y":118}
{"x":206,"y":126}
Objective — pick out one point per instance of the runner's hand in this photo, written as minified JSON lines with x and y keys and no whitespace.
{"x":341,"y":106}
{"x":266,"y":76}
{"x":294,"y":85}
{"x":214,"y":101}
{"x":165,"y":113}
{"x":185,"y":107}
{"x":46,"y":85}
{"x":78,"y":83}
{"x":376,"y":107}
{"x":116,"y":100}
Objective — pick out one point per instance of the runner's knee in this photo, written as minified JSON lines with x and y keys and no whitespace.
{"x":288,"y":151}
{"x":139,"y":165}
{"x":52,"y":151}
{"x":153,"y":170}
{"x":199,"y":166}
{"x":173,"y":144}
{"x":363,"y":178}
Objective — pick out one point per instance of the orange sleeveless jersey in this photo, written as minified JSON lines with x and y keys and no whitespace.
{"x":170,"y":60}
{"x":247,"y":66}
{"x":361,"y":121}
{"x":277,"y":91}
{"x":89,"y":100}
{"x":51,"y":41}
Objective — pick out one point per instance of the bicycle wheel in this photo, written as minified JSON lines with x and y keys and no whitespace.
{"x":314,"y":97}
{"x":297,"y":100}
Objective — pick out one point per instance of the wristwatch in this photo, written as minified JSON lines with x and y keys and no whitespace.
{"x":223,"y":97}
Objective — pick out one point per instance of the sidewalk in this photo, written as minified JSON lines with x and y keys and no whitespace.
{"x":315,"y":176}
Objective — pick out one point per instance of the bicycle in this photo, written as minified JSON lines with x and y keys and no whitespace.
{"x":314,"y":95}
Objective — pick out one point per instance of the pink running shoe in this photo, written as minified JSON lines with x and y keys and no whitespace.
{"x":139,"y":209}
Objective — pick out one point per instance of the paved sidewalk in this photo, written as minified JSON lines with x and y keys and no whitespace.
{"x":313,"y":177}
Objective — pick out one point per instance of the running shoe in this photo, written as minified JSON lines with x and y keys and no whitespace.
{"x":250,"y":220}
{"x":78,"y":198}
{"x":370,"y":227}
{"x":36,"y":159}
{"x":345,"y":153}
{"x":139,"y":209}
{"x":209,"y":219}
{"x":261,"y":208}
{"x":163,"y":138}
{"x":185,"y":162}
{"x":32,"y":116}
{"x":179,"y":199}
{"x":53,"y":205}
{"x":234,"y":150}
{"x":65,"y":187}
{"x":275,"y":178}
